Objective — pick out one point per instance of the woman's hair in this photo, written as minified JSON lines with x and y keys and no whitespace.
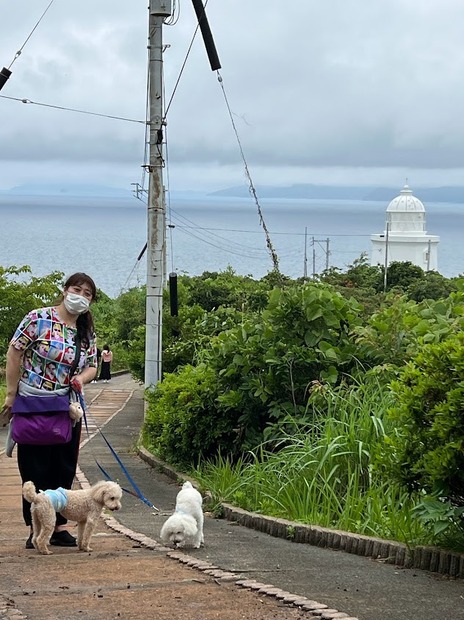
{"x":84,"y":323}
{"x":80,"y":278}
{"x":106,"y":347}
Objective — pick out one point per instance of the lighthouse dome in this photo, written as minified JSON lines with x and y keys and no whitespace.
{"x":406,"y":213}
{"x":406,"y":202}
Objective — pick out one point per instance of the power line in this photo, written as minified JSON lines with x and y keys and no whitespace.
{"x":58,"y":107}
{"x":208,"y":231}
{"x":215,"y":245}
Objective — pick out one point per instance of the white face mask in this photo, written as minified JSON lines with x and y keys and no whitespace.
{"x":76,"y":304}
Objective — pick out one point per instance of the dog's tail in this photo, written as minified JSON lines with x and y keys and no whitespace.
{"x":29,"y":492}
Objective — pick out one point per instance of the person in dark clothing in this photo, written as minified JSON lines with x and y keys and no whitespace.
{"x":99,"y":354}
{"x":106,"y":359}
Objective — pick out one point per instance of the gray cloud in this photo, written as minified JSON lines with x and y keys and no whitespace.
{"x":338,"y":91}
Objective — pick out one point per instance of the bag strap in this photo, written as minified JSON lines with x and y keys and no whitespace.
{"x":77,"y":341}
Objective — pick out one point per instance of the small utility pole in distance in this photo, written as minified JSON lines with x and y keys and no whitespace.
{"x":159,"y":10}
{"x":385,"y":271}
{"x":326,"y":251}
{"x":305,"y":262}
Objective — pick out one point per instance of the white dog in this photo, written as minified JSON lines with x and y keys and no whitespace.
{"x":84,"y":506}
{"x":185,"y":526}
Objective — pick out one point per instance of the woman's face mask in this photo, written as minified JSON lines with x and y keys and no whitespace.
{"x":76,"y":304}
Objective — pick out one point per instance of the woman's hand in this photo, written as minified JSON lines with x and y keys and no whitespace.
{"x":85,"y":376}
{"x":76,"y":384}
{"x":9,"y":400}
{"x":5,"y":415}
{"x":13,"y":373}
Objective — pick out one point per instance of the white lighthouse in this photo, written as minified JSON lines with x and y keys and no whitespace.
{"x":405,"y":237}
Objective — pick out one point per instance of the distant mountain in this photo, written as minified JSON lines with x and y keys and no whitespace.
{"x":332,"y":192}
{"x":67,"y":189}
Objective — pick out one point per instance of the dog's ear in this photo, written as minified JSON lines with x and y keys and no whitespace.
{"x":98,"y":492}
{"x":190,"y":527}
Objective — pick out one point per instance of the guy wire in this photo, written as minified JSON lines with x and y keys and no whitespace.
{"x":252,"y":190}
{"x":18,"y":53}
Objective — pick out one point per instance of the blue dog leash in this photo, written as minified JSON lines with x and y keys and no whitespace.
{"x":136,"y":492}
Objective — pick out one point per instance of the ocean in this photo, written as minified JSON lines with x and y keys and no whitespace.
{"x":105,"y":236}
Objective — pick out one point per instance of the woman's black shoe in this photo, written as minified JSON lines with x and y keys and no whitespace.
{"x":63,"y":539}
{"x":29,"y":544}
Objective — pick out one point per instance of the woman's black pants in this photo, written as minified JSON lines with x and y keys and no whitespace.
{"x":49,"y":467}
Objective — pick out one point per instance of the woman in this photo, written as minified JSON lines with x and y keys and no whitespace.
{"x":106,"y":359}
{"x":40,"y":357}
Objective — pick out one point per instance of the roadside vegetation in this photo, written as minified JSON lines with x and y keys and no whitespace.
{"x":337,"y":401}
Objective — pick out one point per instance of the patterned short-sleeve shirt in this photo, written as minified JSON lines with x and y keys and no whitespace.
{"x":49,"y":350}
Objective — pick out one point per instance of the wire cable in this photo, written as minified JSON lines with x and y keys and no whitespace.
{"x":58,"y":107}
{"x":214,"y":245}
{"x":275,"y":259}
{"x":18,"y":53}
{"x":175,"y":16}
{"x":212,"y":234}
{"x":181,"y":71}
{"x":251,"y":187}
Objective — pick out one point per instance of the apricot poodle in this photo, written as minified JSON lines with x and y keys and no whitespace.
{"x":83,"y":506}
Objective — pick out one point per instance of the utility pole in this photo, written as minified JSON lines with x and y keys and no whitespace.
{"x":159,"y":10}
{"x":314,"y":259}
{"x":305,"y":263}
{"x":385,"y":273}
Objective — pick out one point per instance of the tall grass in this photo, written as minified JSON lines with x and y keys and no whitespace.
{"x":323,"y":472}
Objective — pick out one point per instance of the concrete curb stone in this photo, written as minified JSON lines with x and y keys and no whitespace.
{"x":392,"y":552}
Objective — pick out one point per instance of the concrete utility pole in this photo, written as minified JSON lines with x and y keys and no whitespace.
{"x":385,"y":271}
{"x":305,"y":262}
{"x":159,"y":10}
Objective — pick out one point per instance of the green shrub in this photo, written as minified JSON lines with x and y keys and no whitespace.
{"x":428,"y":449}
{"x":182,"y":423}
{"x":255,"y":375}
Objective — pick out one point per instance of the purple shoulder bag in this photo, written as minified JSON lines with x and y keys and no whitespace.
{"x":43,"y":420}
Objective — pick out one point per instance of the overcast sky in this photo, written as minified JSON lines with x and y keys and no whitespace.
{"x":334,"y":91}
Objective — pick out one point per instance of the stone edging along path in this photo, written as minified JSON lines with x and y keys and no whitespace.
{"x":314,"y":609}
{"x":425,"y":558}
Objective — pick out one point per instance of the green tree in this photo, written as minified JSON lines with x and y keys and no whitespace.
{"x":432,"y":286}
{"x":21,"y":292}
{"x":360,"y":274}
{"x":402,"y":274}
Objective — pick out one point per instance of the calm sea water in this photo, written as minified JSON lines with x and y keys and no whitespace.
{"x":104,"y":237}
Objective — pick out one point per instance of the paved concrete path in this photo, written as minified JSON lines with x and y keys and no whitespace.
{"x":130,"y":575}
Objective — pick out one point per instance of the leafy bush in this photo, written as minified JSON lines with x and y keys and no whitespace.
{"x":212,"y":290}
{"x":182,"y":423}
{"x":262,"y":369}
{"x":396,"y":333}
{"x":428,"y":449}
{"x":432,"y":286}
{"x":402,"y":274}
